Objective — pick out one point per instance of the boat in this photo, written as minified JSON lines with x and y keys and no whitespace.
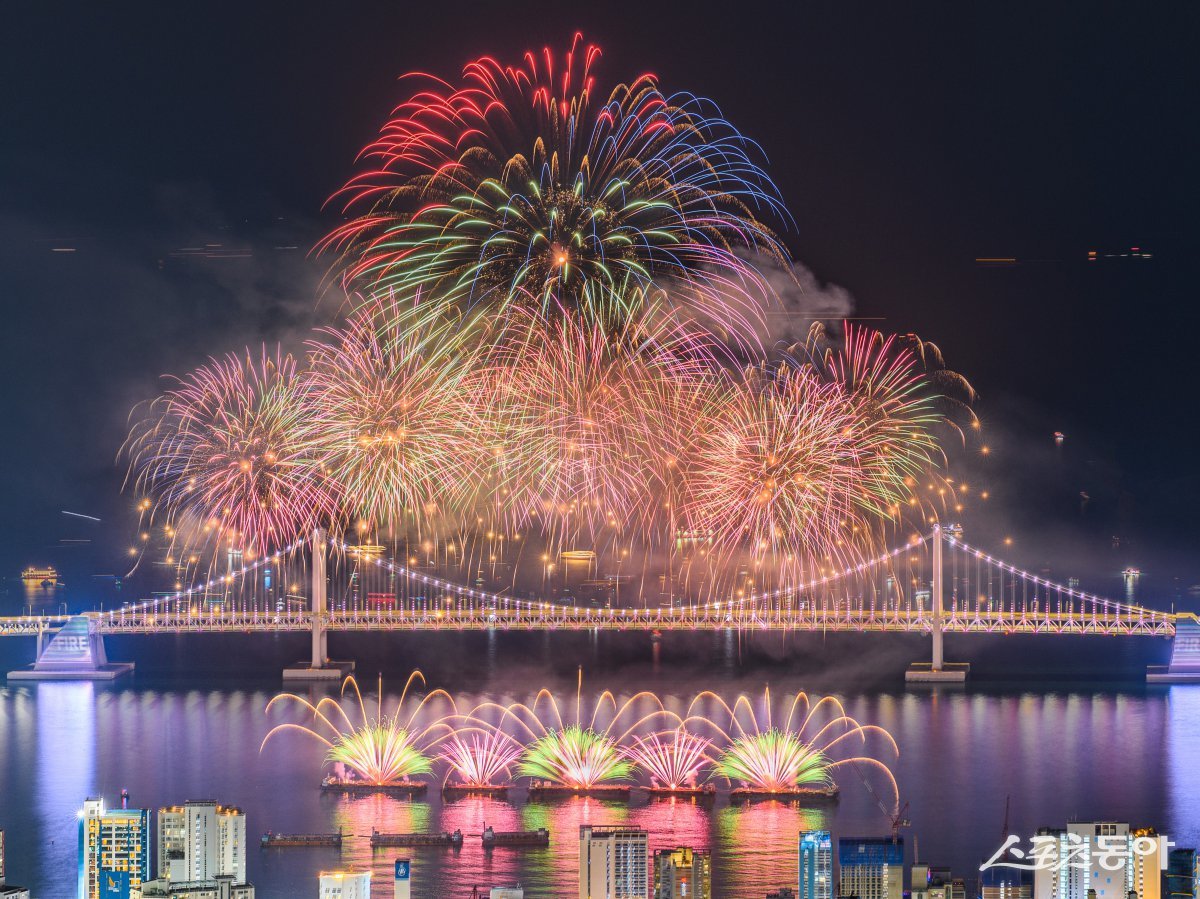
{"x":333,"y":784}
{"x":271,"y":839}
{"x":515,"y":838}
{"x":42,"y":577}
{"x":803,"y":795}
{"x":546,"y":789}
{"x":455,"y":791}
{"x":445,"y":838}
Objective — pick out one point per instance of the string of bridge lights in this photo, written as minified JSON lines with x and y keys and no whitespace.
{"x":953,"y":541}
{"x":536,"y":605}
{"x":201,"y":589}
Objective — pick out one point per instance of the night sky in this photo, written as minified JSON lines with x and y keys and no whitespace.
{"x":907,"y":140}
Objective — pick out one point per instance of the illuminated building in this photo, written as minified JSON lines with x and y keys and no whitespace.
{"x":682,"y":874}
{"x":200,"y":841}
{"x":871,"y":867}
{"x":344,"y":885}
{"x":217,"y":888}
{"x":402,"y":879}
{"x":1182,"y":877}
{"x":1005,"y":883}
{"x":506,"y":893}
{"x":114,"y":850}
{"x":816,"y":865}
{"x":613,"y":862}
{"x":930,"y":882}
{"x":6,"y":891}
{"x":1079,"y":872}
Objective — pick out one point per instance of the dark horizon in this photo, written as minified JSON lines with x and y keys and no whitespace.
{"x":907,"y":145}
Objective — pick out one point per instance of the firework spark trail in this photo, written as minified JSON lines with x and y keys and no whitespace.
{"x":520,"y":186}
{"x":224,"y":445}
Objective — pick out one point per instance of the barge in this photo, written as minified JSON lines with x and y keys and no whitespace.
{"x":517,"y":839}
{"x":457,"y":791}
{"x":272,"y":839}
{"x":543,"y":789}
{"x":361,"y":787}
{"x":445,"y":838}
{"x":802,"y":795}
{"x":704,"y":792}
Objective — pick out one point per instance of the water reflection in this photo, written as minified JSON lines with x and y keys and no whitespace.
{"x":1123,"y":755}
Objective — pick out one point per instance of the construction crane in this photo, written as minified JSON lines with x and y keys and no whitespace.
{"x":899,"y":818}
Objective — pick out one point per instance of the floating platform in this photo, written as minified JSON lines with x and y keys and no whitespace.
{"x":360,"y":787}
{"x":108,"y":672}
{"x":458,"y":791}
{"x":805,"y":796}
{"x":705,"y":792}
{"x":1161,"y":674}
{"x":271,"y":840}
{"x":331,"y":671}
{"x":444,"y":839}
{"x":543,"y":790}
{"x":950,"y":673}
{"x":515,"y":839}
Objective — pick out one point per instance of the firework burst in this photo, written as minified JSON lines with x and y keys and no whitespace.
{"x":378,"y":749}
{"x":581,"y":754}
{"x":672,"y":759}
{"x":482,"y":757}
{"x":582,"y":419}
{"x":575,"y":756}
{"x":391,"y":429}
{"x":801,"y":753}
{"x":777,"y":469}
{"x":224,"y":446}
{"x":524,"y":185}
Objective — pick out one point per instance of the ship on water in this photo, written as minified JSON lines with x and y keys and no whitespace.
{"x":40,"y":577}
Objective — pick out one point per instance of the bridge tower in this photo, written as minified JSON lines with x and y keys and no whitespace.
{"x":320,"y":667}
{"x":937,"y":671}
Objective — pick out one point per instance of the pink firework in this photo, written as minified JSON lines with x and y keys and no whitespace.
{"x":777,"y":468}
{"x":225,"y":446}
{"x":389,"y":419}
{"x":583,"y":422}
{"x":480,"y":756}
{"x":673,"y":759}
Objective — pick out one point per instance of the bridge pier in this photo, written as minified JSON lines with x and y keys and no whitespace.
{"x":1185,"y":655}
{"x":320,"y":667}
{"x":937,"y":671}
{"x":76,"y":652}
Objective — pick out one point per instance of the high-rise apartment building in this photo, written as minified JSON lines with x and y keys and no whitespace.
{"x":114,"y":851}
{"x":816,"y":865}
{"x":613,"y":862}
{"x":871,"y":867}
{"x":200,"y":841}
{"x":1182,"y":877}
{"x":682,"y":874}
{"x":1102,"y":856}
{"x":344,"y":884}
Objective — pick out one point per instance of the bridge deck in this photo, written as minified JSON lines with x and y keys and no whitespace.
{"x":559,"y":618}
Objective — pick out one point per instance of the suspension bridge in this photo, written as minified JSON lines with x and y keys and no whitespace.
{"x":936,"y":584}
